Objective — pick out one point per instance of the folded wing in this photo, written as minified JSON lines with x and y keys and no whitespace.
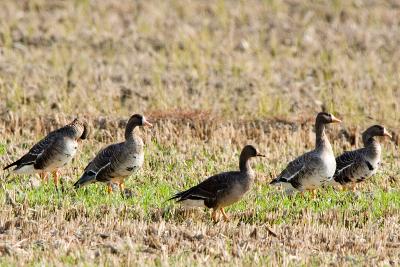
{"x":30,"y":158}
{"x":292,"y":169}
{"x":101,"y":162}
{"x":207,"y":192}
{"x":347,"y":165}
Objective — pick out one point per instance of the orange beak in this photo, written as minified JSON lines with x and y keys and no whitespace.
{"x":335,"y":120}
{"x":146,"y":123}
{"x":386,"y":133}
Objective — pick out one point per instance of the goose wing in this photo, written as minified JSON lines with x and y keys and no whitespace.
{"x":209,"y":190}
{"x":49,"y":153}
{"x":311,"y":164}
{"x":293,"y":168}
{"x":104,"y":158}
{"x":35,"y":152}
{"x":347,"y":158}
{"x":347,"y":164}
{"x":101,"y":161}
{"x":106,"y":162}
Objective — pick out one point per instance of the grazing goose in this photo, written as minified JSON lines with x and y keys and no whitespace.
{"x":52,"y":152}
{"x":116,"y":162}
{"x":313,"y":168}
{"x":357,"y":165}
{"x":223,"y":189}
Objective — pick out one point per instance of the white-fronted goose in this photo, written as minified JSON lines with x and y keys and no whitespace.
{"x":357,"y":165}
{"x":117,"y":161}
{"x":52,"y":152}
{"x":313,"y":168}
{"x":223,"y":189}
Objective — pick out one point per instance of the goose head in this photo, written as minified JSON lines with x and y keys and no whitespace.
{"x":377,"y":130}
{"x":326,"y":118}
{"x":250,"y":151}
{"x":135,"y":120}
{"x":81,"y":129}
{"x":138,"y":120}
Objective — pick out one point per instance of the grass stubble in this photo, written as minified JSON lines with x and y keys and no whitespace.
{"x":89,"y":226}
{"x":228,"y":74}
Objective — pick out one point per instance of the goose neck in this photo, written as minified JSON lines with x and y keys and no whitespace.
{"x":321,"y":140}
{"x":372,"y":145}
{"x":129,"y":131}
{"x":244,"y":163}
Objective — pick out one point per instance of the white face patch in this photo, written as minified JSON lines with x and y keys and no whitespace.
{"x":143,"y":120}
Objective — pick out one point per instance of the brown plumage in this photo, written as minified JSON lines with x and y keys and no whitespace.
{"x":313,"y":168}
{"x":221,"y":190}
{"x":52,"y":152}
{"x":357,"y":165}
{"x":116,"y":162}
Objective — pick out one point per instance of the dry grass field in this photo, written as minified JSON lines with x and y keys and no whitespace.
{"x":212,"y":76}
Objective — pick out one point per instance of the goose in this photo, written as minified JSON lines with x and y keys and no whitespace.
{"x":357,"y":165}
{"x":223,"y":189}
{"x":314,"y":168}
{"x":52,"y":152}
{"x":116,"y":162}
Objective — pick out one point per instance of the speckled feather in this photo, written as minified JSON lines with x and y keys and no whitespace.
{"x":313,"y":168}
{"x":53,"y":151}
{"x":222,"y":189}
{"x":357,"y":165}
{"x":117,"y":161}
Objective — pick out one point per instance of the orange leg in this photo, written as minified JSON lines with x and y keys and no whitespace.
{"x":43,"y":176}
{"x":109,"y":188}
{"x":349,"y":187}
{"x":214,"y":215}
{"x":226,"y":218}
{"x":314,"y":193}
{"x":122,"y":186}
{"x":56,"y":175}
{"x":352,"y":187}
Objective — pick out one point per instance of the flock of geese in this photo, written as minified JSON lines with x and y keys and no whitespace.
{"x":114,"y":163}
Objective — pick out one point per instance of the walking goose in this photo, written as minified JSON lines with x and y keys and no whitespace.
{"x":313,"y":168}
{"x":52,"y":152}
{"x":223,"y":189}
{"x":357,"y":165}
{"x":116,"y":162}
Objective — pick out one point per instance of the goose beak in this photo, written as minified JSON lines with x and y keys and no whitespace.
{"x":146,"y":123}
{"x":386,"y":133}
{"x":335,"y":120}
{"x":260,"y":155}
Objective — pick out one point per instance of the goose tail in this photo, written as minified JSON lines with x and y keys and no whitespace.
{"x":87,"y":178}
{"x":11,"y":165}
